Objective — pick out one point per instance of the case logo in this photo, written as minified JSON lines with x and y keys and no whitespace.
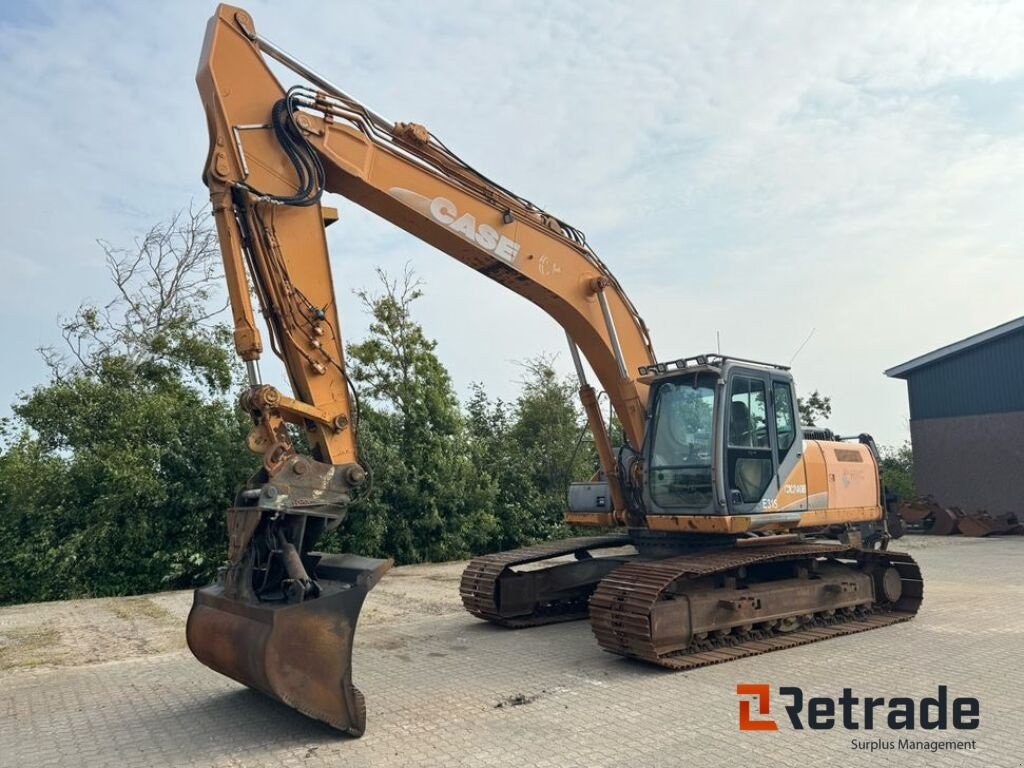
{"x":445,"y":212}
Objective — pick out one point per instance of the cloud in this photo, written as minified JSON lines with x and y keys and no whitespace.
{"x":756,"y":171}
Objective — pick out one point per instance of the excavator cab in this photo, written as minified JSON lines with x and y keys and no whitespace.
{"x":681,"y":446}
{"x":725,"y":454}
{"x":722,"y":452}
{"x":722,"y":438}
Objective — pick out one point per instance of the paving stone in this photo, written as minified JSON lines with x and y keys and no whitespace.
{"x":433,"y":685}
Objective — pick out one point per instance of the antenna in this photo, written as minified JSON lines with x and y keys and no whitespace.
{"x":800,"y":348}
{"x":718,"y":338}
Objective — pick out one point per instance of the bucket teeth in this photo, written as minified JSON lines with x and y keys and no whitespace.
{"x":299,"y":653}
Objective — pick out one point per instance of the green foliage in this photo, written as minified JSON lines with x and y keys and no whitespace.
{"x":429,"y":500}
{"x":116,"y":484}
{"x":533,"y":449}
{"x":897,"y":470}
{"x":814,"y":408}
{"x":450,"y":482}
{"x":117,"y":471}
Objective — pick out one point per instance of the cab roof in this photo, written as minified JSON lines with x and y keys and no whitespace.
{"x":713,"y":362}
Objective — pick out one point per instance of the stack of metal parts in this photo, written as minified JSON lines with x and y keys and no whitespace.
{"x":924,"y":514}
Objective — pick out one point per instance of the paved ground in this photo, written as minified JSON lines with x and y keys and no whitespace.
{"x":444,"y":689}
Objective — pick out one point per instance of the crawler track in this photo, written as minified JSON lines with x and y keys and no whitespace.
{"x":622,"y":605}
{"x":480,"y":588}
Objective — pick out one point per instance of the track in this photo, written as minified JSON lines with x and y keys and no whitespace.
{"x":480,"y":589}
{"x":622,"y":606}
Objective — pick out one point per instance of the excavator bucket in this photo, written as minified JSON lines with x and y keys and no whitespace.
{"x":298,"y":653}
{"x":981,"y":523}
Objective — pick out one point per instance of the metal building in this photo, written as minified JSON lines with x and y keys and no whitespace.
{"x":967,"y":420}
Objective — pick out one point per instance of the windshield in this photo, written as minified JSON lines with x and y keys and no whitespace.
{"x":680,"y":464}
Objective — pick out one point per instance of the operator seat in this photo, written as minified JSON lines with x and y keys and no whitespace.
{"x":740,"y":428}
{"x":751,"y":474}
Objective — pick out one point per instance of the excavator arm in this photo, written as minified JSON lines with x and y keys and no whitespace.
{"x":273,"y":152}
{"x":281,"y":617}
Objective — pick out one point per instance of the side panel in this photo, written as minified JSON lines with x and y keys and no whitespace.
{"x":817,"y":475}
{"x":792,"y":496}
{"x":973,"y":462}
{"x":852,"y":475}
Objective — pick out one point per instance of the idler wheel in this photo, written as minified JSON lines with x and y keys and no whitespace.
{"x":889,"y":585}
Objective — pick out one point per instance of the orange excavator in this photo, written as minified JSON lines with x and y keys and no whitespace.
{"x":735,"y":532}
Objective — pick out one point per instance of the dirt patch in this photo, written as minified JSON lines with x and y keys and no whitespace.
{"x":387,"y":643}
{"x":22,"y":647}
{"x":113,"y":628}
{"x":91,"y":631}
{"x":131,"y":608}
{"x":453,"y":578}
{"x":414,"y":590}
{"x":516,"y":700}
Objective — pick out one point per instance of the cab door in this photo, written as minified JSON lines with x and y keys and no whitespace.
{"x":749,"y":436}
{"x":791,"y":495}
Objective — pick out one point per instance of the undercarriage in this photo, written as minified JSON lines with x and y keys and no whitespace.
{"x":691,"y":602}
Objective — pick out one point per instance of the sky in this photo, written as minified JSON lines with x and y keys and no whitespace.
{"x":849,"y":175}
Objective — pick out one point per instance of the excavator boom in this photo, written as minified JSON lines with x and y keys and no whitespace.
{"x":405,"y":175}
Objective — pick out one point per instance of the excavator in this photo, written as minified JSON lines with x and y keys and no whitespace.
{"x":723,"y":528}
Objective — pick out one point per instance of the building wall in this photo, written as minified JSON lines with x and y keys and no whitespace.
{"x":971,"y":462}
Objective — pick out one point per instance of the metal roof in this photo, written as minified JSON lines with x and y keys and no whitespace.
{"x":900,"y":371}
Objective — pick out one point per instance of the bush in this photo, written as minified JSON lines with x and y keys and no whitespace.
{"x":897,"y":470}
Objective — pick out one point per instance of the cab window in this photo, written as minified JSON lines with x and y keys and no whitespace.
{"x":785,"y":421}
{"x":680,"y":463}
{"x":750,"y":465}
{"x":748,"y":423}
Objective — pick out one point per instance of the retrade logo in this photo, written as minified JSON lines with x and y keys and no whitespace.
{"x":762,"y":697}
{"x":852,"y":712}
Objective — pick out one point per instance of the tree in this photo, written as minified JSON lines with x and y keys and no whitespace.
{"x":897,"y":470}
{"x":116,"y":471}
{"x":533,"y":448}
{"x":813,"y":408}
{"x":118,"y":483}
{"x":430,"y":502}
{"x":119,"y":468}
{"x":162,"y":311}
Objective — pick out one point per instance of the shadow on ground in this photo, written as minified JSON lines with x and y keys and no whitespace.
{"x":232,"y":723}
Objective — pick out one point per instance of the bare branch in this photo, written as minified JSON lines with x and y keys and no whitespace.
{"x":165,"y":283}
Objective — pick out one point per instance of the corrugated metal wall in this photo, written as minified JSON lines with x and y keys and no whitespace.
{"x":986,"y":379}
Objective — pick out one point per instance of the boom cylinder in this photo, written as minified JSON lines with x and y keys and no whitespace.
{"x":603,"y":443}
